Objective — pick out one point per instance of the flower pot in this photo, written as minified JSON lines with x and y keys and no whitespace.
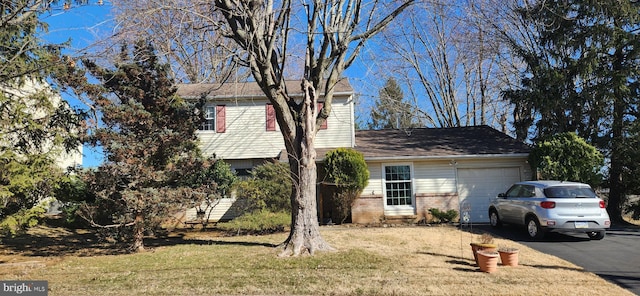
{"x":475,"y":247}
{"x":488,"y":261}
{"x":508,"y":257}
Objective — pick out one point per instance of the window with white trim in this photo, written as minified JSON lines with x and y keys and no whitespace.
{"x":210,"y":119}
{"x":398,"y":187}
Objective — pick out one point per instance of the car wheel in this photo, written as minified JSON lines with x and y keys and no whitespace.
{"x":533,"y":228}
{"x":596,"y":235}
{"x":494,"y":219}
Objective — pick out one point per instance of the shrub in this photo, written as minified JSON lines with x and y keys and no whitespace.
{"x":442,"y":216}
{"x":567,"y":157}
{"x":268,"y":189}
{"x":258,"y":222}
{"x":347,"y":170}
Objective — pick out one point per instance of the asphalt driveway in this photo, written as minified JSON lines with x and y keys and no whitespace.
{"x":616,"y":258}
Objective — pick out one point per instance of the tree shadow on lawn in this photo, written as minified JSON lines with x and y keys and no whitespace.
{"x":43,"y":241}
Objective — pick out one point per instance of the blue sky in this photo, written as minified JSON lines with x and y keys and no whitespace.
{"x":81,"y":25}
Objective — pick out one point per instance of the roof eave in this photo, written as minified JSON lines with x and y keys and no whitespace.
{"x":443,"y":157}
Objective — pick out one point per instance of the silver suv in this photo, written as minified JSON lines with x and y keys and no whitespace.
{"x":544,"y":206}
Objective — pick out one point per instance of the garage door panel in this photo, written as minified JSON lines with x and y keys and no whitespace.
{"x":478,"y":186}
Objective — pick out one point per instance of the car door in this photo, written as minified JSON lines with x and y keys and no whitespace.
{"x":522,"y":204}
{"x":506,"y":203}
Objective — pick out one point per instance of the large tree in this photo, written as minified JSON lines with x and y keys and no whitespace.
{"x":581,"y":76}
{"x":451,"y":68}
{"x":332,"y":34}
{"x":36,"y":125}
{"x":153,"y":163}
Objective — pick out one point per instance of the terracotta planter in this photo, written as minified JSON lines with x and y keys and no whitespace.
{"x":508,"y":257}
{"x":488,"y":261}
{"x":475,"y":247}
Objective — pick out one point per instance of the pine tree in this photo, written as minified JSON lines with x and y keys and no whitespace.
{"x":390,"y":110}
{"x":153,"y":162}
{"x":582,"y":76}
{"x":35,"y":124}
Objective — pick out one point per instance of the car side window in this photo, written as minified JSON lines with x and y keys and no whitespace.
{"x":528,"y":191}
{"x":514,"y":191}
{"x":521,"y":191}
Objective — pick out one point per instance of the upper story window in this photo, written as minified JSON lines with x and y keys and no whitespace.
{"x":210,"y":119}
{"x":214,"y":118}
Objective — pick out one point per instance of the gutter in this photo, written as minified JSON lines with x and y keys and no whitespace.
{"x":442,"y":157}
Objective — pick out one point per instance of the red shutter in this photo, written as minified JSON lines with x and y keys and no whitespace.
{"x":324,"y":124}
{"x":220,"y":119}
{"x":271,"y":118}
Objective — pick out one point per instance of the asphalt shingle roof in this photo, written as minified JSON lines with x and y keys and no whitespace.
{"x":436,"y":142}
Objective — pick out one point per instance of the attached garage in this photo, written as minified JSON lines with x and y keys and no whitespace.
{"x":459,"y":168}
{"x":478,"y":186}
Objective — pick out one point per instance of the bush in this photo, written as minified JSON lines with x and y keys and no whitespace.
{"x":268,"y":189}
{"x":347,"y":170}
{"x":444,"y":217}
{"x":258,"y":222}
{"x":567,"y":157}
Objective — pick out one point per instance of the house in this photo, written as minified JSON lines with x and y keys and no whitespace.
{"x":411,"y":170}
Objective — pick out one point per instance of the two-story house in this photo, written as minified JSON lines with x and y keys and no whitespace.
{"x":411,"y":170}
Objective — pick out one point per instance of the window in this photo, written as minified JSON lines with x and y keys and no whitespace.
{"x":398,"y":185}
{"x":521,"y":191}
{"x":214,"y":119}
{"x":210,"y":119}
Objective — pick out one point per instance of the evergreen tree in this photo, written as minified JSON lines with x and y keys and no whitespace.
{"x":36,"y":126}
{"x":390,"y":110}
{"x":582,"y":76}
{"x":153,"y":162}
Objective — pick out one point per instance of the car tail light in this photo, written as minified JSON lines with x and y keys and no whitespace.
{"x":602,"y":205}
{"x":548,"y":204}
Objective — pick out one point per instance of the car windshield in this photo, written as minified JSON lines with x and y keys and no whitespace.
{"x":568,"y":192}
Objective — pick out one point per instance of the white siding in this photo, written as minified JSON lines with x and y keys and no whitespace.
{"x":221,"y":210}
{"x":246,"y":135}
{"x":375,"y":180}
{"x":434,"y":177}
{"x":340,"y":129}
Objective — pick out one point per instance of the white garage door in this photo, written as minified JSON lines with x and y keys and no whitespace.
{"x":477,"y":187}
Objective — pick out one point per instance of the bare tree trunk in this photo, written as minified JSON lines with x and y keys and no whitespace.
{"x":138,"y":233}
{"x":305,"y":229}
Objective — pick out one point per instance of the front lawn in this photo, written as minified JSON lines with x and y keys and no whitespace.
{"x":417,"y":260}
